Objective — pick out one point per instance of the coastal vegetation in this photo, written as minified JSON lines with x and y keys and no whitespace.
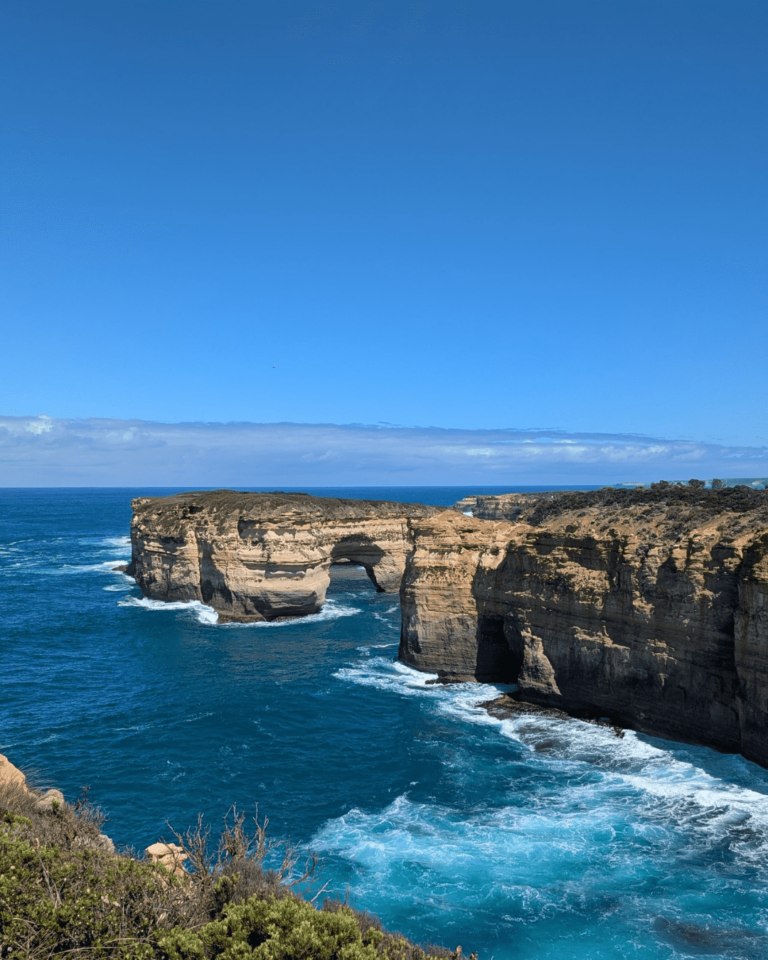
{"x":65,"y":892}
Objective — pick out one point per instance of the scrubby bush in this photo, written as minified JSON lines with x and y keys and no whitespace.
{"x":290,"y":929}
{"x":699,"y":504}
{"x":53,"y":822}
{"x":243,"y":864}
{"x":56,"y":901}
{"x":63,"y":893}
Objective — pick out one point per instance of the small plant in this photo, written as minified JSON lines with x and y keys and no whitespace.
{"x":243,"y":864}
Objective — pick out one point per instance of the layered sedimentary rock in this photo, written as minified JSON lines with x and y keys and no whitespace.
{"x":263,"y":556}
{"x":649,"y":606}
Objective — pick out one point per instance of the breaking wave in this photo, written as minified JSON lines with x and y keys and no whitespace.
{"x":204,"y":614}
{"x":208,"y":616}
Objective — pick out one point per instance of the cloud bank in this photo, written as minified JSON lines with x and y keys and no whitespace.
{"x":43,"y":451}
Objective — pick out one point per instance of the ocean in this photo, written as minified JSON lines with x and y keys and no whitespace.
{"x":524,"y":839}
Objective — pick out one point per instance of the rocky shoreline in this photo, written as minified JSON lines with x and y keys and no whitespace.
{"x":645,"y":606}
{"x":66,"y":891}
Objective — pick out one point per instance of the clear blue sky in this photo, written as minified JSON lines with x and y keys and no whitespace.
{"x":470,"y":215}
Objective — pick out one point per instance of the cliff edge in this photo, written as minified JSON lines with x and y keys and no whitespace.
{"x":646,"y":606}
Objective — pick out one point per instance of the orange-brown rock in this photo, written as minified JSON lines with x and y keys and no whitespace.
{"x":263,"y":556}
{"x":11,"y":775}
{"x":168,"y":855}
{"x":648,"y":606}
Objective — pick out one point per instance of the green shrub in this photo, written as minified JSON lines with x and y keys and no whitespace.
{"x":63,"y":894}
{"x":288,"y":929}
{"x":54,"y":901}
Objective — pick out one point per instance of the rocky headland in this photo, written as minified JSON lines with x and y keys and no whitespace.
{"x":647,"y":607}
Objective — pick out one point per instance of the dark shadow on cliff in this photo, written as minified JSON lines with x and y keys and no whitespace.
{"x":497,"y":660}
{"x":361,"y":552}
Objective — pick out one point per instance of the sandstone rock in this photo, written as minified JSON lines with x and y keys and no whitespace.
{"x":258,"y":556}
{"x":10,"y":774}
{"x":50,"y":801}
{"x":169,"y":855}
{"x":106,"y":844}
{"x":647,"y":606}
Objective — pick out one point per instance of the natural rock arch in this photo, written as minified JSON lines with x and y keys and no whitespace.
{"x":257,"y":556}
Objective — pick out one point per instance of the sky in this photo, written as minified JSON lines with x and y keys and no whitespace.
{"x":438,"y":216}
{"x":49,"y":452}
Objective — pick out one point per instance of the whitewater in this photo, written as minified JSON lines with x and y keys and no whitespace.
{"x":532,"y":837}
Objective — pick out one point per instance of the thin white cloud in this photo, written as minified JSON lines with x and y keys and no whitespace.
{"x":43,"y":451}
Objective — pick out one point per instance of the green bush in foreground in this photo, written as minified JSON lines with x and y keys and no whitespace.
{"x":62,"y":894}
{"x":287,"y":929}
{"x":55,"y":902}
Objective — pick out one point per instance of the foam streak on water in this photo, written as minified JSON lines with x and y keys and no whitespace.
{"x":530,"y":838}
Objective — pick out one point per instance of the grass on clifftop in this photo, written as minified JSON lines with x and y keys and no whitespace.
{"x":64,"y":894}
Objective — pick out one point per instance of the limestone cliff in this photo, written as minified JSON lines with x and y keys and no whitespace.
{"x":649,"y":606}
{"x":646,"y":606}
{"x":262,"y":556}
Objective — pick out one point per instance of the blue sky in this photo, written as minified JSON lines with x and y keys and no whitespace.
{"x":474,"y":216}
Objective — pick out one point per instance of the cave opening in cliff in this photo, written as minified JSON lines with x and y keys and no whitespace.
{"x":349,"y":570}
{"x":498,"y":661}
{"x":356,"y":558}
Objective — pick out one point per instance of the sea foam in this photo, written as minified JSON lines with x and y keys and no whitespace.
{"x":203,"y":613}
{"x":208,"y":616}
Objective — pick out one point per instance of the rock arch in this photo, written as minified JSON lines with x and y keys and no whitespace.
{"x":257,"y":556}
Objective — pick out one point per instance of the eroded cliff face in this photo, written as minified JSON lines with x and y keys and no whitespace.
{"x":262,"y":556}
{"x":650,"y":607}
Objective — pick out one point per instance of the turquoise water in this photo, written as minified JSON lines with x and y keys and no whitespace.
{"x":527,"y":838}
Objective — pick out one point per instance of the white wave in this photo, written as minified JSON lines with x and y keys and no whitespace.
{"x":331,"y":610}
{"x":535,"y":858}
{"x":111,"y":543}
{"x":463,"y":858}
{"x":460,"y":700}
{"x":197,"y":716}
{"x":720,"y":798}
{"x":717,"y":794}
{"x":387,"y":620}
{"x":387,"y":675}
{"x":122,"y":587}
{"x":122,"y":542}
{"x":106,"y":566}
{"x":204,"y":614}
{"x":207,"y":615}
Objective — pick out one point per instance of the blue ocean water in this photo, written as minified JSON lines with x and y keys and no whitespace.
{"x":528,"y":838}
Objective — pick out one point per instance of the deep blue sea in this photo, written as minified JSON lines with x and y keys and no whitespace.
{"x":519,"y":839}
